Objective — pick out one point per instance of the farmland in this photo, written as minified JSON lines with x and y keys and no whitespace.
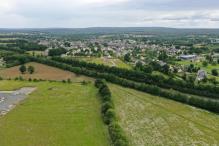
{"x":109,"y":87}
{"x":151,"y":120}
{"x":42,"y":72}
{"x":106,"y":61}
{"x":55,"y":114}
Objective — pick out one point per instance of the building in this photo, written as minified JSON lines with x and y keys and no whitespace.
{"x":201,"y":75}
{"x":188,"y":57}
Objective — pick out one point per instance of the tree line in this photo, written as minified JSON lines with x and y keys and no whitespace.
{"x":208,"y":90}
{"x":204,"y":103}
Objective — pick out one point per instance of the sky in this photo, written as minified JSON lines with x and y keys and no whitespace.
{"x":109,"y":13}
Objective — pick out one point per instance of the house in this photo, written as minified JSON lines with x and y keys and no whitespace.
{"x":201,"y":75}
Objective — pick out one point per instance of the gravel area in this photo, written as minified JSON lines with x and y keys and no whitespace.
{"x":9,"y":99}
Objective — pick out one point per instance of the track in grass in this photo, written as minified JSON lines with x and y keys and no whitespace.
{"x":155,"y":121}
{"x":55,"y":114}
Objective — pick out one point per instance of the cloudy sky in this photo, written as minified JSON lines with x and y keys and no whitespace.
{"x":114,"y":13}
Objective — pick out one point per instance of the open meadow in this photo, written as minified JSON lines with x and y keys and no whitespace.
{"x":106,"y":61}
{"x":155,"y":121}
{"x":55,"y":114}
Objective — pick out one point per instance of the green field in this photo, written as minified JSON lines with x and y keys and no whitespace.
{"x":56,"y":114}
{"x":106,"y":61}
{"x":40,"y":53}
{"x":155,"y":121}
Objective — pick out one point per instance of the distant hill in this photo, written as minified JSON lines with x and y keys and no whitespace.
{"x":115,"y":30}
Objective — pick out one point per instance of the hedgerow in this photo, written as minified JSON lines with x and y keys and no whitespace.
{"x":116,"y":133}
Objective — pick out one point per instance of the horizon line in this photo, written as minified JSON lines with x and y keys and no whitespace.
{"x":107,"y":27}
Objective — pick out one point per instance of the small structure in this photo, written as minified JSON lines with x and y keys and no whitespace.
{"x":188,"y":57}
{"x":201,"y":75}
{"x":161,"y":63}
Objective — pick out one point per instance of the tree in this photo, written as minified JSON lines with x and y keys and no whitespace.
{"x":214,"y":72}
{"x":139,"y":65}
{"x":205,"y":63}
{"x":166,"y":69}
{"x":67,"y":44}
{"x":127,"y":57}
{"x":163,"y":56}
{"x":148,"y":69}
{"x":31,"y":69}
{"x":23,"y":69}
{"x":57,"y":52}
{"x":209,"y":58}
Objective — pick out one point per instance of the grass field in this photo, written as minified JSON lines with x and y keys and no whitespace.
{"x":154,"y":121}
{"x":56,"y":114}
{"x":35,"y":53}
{"x":106,"y":61}
{"x":42,"y":72}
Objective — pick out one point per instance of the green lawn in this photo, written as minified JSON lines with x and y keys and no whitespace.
{"x":154,"y":121}
{"x":56,"y":114}
{"x":106,"y":61}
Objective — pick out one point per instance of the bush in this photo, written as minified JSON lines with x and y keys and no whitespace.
{"x":69,"y":80}
{"x":31,"y":69}
{"x":109,"y":116}
{"x":23,"y":69}
{"x":214,"y":72}
{"x":117,"y":136}
{"x":104,"y":91}
{"x":105,"y":106}
{"x":98,"y":83}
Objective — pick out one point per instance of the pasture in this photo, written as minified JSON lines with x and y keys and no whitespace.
{"x":55,"y":114}
{"x":156,"y":121}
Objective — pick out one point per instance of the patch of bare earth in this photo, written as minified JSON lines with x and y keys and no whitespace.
{"x":41,"y":72}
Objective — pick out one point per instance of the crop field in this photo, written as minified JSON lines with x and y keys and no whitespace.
{"x":106,"y":61}
{"x":55,"y":114}
{"x":42,"y":72}
{"x":155,"y":121}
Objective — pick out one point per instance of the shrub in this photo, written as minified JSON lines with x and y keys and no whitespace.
{"x":23,"y":69}
{"x":117,"y":136}
{"x":109,"y":116}
{"x":31,"y":69}
{"x":69,"y":80}
{"x":105,"y":106}
{"x":214,"y":72}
